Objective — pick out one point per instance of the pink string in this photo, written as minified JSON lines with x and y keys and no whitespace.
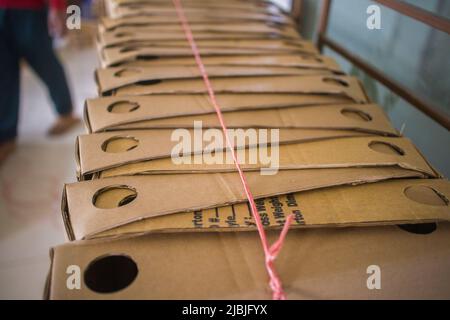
{"x":270,"y":252}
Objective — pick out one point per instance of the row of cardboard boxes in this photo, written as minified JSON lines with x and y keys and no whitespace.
{"x":148,"y":223}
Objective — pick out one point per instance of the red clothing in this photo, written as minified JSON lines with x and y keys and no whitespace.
{"x":32,"y":4}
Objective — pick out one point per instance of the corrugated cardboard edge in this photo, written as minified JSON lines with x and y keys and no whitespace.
{"x":86,"y":120}
{"x":363,"y":90}
{"x":437,"y":173}
{"x":78,"y":158}
{"x":48,"y":281}
{"x":66,"y":215}
{"x":100,"y":91}
{"x":71,"y":236}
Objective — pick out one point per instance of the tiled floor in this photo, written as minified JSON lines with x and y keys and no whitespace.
{"x":31,"y":180}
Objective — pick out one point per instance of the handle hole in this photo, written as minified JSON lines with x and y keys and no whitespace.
{"x":386,"y":148}
{"x":111,"y":273}
{"x":114,"y":197}
{"x":356,"y":114}
{"x":120,"y":144}
{"x":123,"y":107}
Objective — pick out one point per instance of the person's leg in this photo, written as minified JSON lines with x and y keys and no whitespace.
{"x":36,"y":47}
{"x":9,"y":84}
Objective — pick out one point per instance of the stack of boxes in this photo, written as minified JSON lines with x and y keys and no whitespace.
{"x":159,"y":211}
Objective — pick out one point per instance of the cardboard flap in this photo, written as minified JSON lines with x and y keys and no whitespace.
{"x":113,"y":78}
{"x":137,"y":56}
{"x":269,"y":45}
{"x":216,"y":10}
{"x":352,"y":152}
{"x":170,"y":53}
{"x":163,"y":15}
{"x":139,"y":197}
{"x":239,"y":111}
{"x":110,"y":112}
{"x":161,"y":143}
{"x":209,"y":43}
{"x":229,"y":4}
{"x":213,"y":31}
{"x":367,"y":118}
{"x":218,"y":28}
{"x":391,"y":202}
{"x":327,"y":85}
{"x":327,"y":263}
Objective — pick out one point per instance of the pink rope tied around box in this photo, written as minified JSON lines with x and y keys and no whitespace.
{"x":270,"y":252}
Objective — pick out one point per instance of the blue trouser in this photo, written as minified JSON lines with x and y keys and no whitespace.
{"x":24,"y":34}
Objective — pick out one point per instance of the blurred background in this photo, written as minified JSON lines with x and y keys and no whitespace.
{"x":31,"y":179}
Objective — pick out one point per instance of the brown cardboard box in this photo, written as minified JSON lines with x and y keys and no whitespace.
{"x":127,"y":35}
{"x":139,"y":57}
{"x":347,"y":117}
{"x":396,"y":201}
{"x":108,"y":113}
{"x":127,"y":155}
{"x":208,"y":42}
{"x":364,"y":117}
{"x":220,"y":41}
{"x":214,"y":6}
{"x":391,"y":202}
{"x":324,"y":263}
{"x":161,"y":137}
{"x":118,"y":77}
{"x":167,"y":14}
{"x":140,"y":197}
{"x":310,"y":85}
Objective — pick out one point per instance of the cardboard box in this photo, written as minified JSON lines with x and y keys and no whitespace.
{"x":148,"y":196}
{"x":364,"y":117}
{"x":134,"y":154}
{"x":118,"y":77}
{"x":310,"y":85}
{"x":160,"y":138}
{"x":206,"y":40}
{"x":166,"y":14}
{"x":108,"y":113}
{"x":393,"y":202}
{"x":169,"y":53}
{"x":215,"y":6}
{"x":139,"y":57}
{"x":324,"y":263}
{"x":128,"y":35}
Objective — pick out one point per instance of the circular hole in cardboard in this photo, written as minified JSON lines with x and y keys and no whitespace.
{"x":335,"y":81}
{"x":356,"y":114}
{"x":123,"y":107}
{"x":426,"y":195}
{"x":419,"y":228}
{"x":127,"y":72}
{"x":114,"y":197}
{"x":120,"y":144}
{"x":386,"y":147}
{"x":110,"y":273}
